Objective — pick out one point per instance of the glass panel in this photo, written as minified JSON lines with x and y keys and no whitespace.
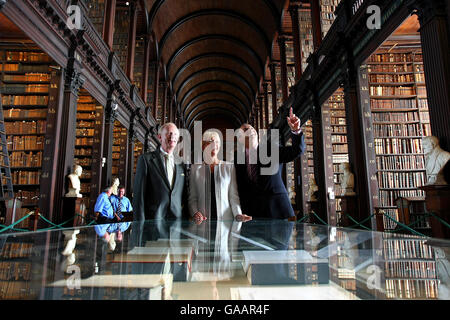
{"x":228,"y":260}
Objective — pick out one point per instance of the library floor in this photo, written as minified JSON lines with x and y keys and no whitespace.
{"x":221,"y":260}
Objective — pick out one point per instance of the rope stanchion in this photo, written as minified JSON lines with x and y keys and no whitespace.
{"x":318,"y":218}
{"x":359,"y":223}
{"x":439,"y":219}
{"x":303,"y":218}
{"x":404,"y":226}
{"x":16,"y":223}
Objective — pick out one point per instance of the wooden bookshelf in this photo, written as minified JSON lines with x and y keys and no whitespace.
{"x":339,"y":142}
{"x":307,"y":162}
{"x":96,"y":12}
{"x":410,"y":268}
{"x":327,"y":16}
{"x":138,"y":151}
{"x":119,"y":152}
{"x":306,"y":38}
{"x":121,"y":30}
{"x":25,"y":79}
{"x":16,"y":270}
{"x":400,"y":120}
{"x":87,"y":146}
{"x":139,"y":62}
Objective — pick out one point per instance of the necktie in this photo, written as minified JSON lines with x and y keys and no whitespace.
{"x":169,"y":169}
{"x":119,"y":207}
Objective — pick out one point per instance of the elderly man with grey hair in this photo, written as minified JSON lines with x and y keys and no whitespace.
{"x":159,"y":186}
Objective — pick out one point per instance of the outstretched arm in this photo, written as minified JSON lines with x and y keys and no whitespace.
{"x":288,"y":154}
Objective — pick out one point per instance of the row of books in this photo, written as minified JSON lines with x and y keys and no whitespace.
{"x":398,"y":145}
{"x":25,"y":159}
{"x":83,"y":151}
{"x":393,"y":104}
{"x":340,"y":148}
{"x":81,"y":106}
{"x":18,"y":143}
{"x":85,"y":132}
{"x":410,"y":249}
{"x":390,"y":68}
{"x":15,"y":100}
{"x":411,"y":289}
{"x":388,"y":197}
{"x":410,"y":162}
{"x":338,"y":129}
{"x":84,"y":162}
{"x":400,"y":180}
{"x":25,"y":177}
{"x":339,"y":158}
{"x":394,"y":57}
{"x":85,"y":188}
{"x":25,"y":56}
{"x":13,"y":250}
{"x":23,"y":68}
{"x":410,"y":269}
{"x":84,"y":141}
{"x":396,"y":130}
{"x":85,"y":124}
{"x":395,"y":117}
{"x":389,"y":78}
{"x":16,"y":290}
{"x":15,"y":271}
{"x":338,"y":139}
{"x":24,"y":113}
{"x":86,"y":116}
{"x":24,"y":127}
{"x":392,"y":91}
{"x":27,"y":197}
{"x":31,"y":77}
{"x":24,"y":88}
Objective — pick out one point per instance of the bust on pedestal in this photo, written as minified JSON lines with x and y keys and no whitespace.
{"x":73,"y":205}
{"x":435,"y":159}
{"x":75,"y":185}
{"x":348,"y":180}
{"x":348,"y":196}
{"x":437,"y":189}
{"x":115,"y":186}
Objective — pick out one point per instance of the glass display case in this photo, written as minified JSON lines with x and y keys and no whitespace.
{"x":225,"y":260}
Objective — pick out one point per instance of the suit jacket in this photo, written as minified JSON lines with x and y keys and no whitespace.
{"x":227,"y":197}
{"x":152,"y":196}
{"x":269,"y":197}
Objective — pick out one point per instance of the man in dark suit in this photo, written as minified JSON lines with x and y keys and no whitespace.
{"x":264,"y":195}
{"x":159,"y":186}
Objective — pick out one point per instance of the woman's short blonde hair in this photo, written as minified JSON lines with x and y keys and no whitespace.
{"x":209,"y":134}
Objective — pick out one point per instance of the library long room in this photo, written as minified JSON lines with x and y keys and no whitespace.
{"x":128,"y":128}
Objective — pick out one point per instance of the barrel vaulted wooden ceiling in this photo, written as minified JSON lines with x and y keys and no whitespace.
{"x":215,"y":53}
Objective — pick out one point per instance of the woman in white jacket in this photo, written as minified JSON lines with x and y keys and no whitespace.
{"x":213,"y":190}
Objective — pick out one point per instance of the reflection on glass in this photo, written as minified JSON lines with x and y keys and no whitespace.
{"x":226,"y":259}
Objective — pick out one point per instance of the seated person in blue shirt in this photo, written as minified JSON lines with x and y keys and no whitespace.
{"x":103,"y":209}
{"x":121,"y":204}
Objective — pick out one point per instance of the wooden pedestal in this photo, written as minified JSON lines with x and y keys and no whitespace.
{"x":74,"y":207}
{"x":349,"y":206}
{"x":437,"y":200}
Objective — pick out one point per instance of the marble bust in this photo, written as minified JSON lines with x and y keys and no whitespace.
{"x":348,"y":180}
{"x":313,"y":188}
{"x":435,"y":161}
{"x":115,"y":186}
{"x":75,"y":184}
